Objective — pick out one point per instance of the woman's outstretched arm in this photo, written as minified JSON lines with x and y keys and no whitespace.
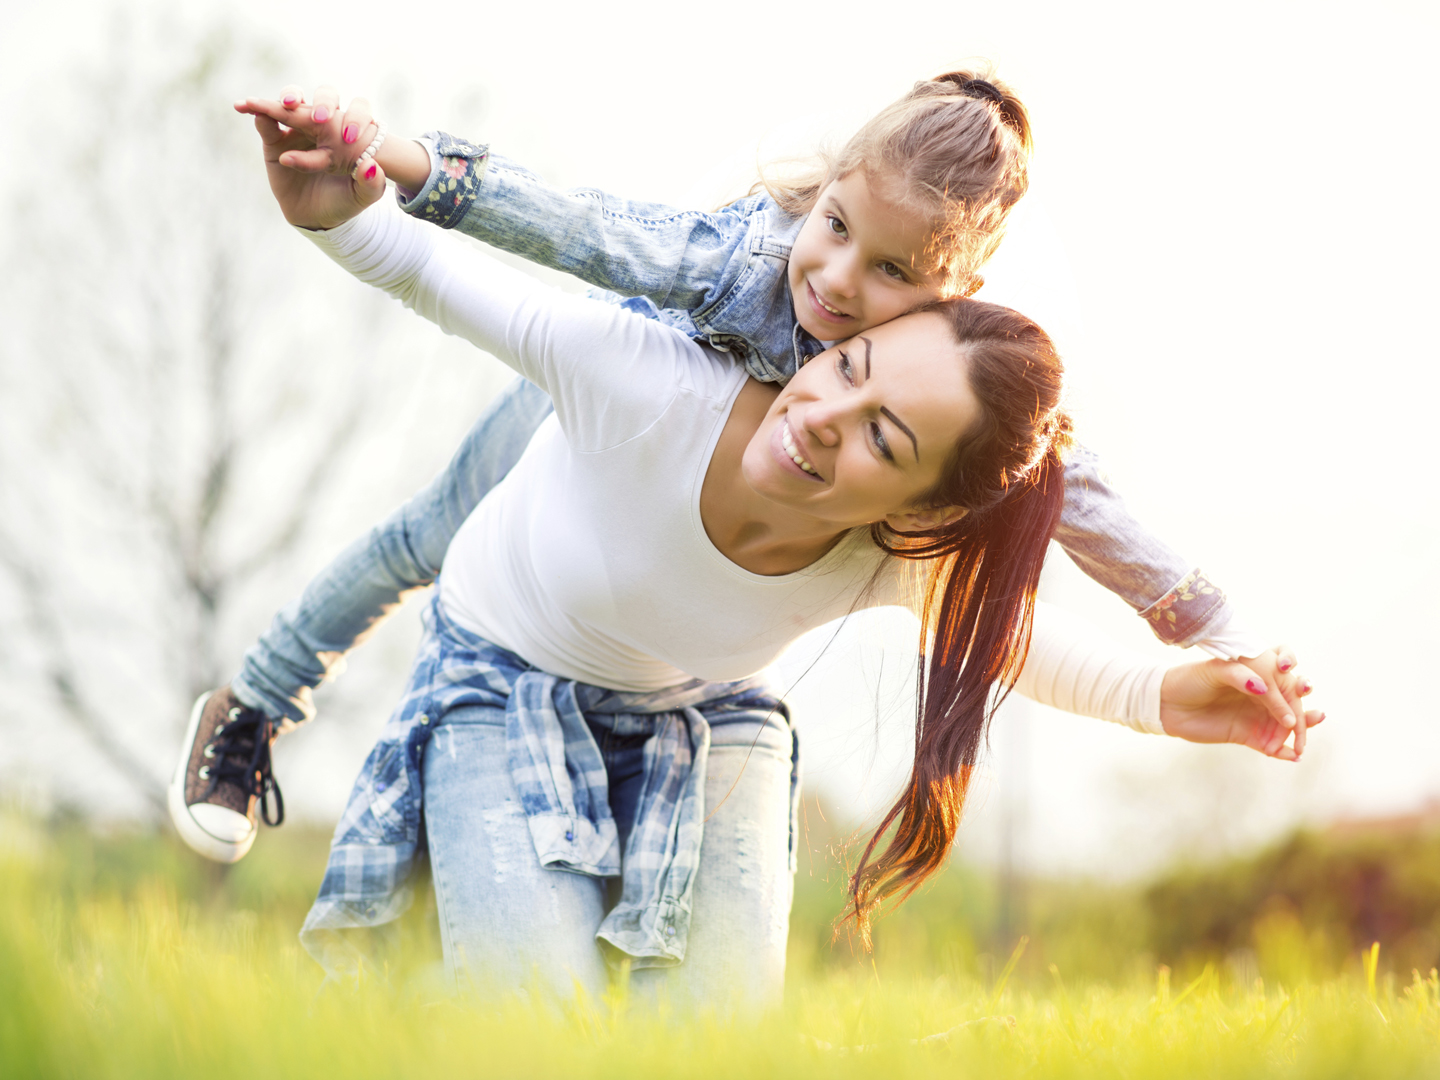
{"x":1072,"y":668}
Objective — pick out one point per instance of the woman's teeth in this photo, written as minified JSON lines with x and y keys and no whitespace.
{"x":789,"y":443}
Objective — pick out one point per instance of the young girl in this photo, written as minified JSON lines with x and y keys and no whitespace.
{"x":904,"y":215}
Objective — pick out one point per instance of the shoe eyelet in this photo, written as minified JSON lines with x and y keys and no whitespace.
{"x":210,"y":751}
{"x":204,"y":772}
{"x":219,"y":730}
{"x":234,"y":714}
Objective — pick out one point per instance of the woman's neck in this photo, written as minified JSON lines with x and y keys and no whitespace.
{"x":753,"y":532}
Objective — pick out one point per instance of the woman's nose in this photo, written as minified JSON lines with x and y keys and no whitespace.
{"x":821,"y":420}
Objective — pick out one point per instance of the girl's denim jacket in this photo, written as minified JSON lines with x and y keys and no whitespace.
{"x":719,"y":277}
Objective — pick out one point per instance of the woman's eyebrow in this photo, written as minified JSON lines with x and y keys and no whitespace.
{"x":866,"y":340}
{"x":897,"y":422}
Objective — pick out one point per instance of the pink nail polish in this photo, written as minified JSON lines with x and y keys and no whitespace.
{"x":370,"y":172}
{"x":289,"y":101}
{"x":351,"y":133}
{"x":1255,"y":686}
{"x":321,"y":114}
{"x":1287,"y":665}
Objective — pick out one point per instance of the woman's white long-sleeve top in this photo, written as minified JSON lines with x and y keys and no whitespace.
{"x":590,"y":559}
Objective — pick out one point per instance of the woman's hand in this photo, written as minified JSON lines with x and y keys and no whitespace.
{"x":340,"y":138}
{"x":309,"y":199}
{"x":1244,"y":702}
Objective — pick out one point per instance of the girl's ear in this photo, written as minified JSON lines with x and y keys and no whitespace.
{"x":925,"y":520}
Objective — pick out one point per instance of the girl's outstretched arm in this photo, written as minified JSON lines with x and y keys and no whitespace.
{"x":686,"y":260}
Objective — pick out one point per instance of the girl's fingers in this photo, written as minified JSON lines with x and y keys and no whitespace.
{"x":357,"y":119}
{"x":1285,"y":659}
{"x":1313,"y":717}
{"x":292,"y":96}
{"x":326,"y":111}
{"x":370,"y":183}
{"x":1269,"y":694}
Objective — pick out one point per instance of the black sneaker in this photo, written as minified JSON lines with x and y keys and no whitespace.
{"x":223,"y":778}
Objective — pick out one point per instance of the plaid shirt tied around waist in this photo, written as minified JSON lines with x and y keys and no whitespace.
{"x":559,"y":774}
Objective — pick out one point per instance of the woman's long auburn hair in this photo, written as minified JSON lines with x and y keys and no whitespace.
{"x":979,"y":599}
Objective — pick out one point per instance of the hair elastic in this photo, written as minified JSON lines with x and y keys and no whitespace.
{"x":981,"y":88}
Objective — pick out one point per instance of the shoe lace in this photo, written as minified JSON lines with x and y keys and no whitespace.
{"x":239,"y":754}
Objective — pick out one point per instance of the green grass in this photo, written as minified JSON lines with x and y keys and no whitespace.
{"x":122,"y":956}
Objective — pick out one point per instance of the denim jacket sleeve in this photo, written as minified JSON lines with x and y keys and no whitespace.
{"x":682,"y":259}
{"x":723,"y":270}
{"x":1097,"y":531}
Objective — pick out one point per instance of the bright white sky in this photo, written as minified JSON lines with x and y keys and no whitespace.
{"x":1231,"y":234}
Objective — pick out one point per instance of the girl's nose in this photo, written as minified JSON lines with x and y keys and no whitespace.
{"x":842,"y":277}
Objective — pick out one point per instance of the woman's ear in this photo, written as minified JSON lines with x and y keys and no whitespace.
{"x":936,"y":517}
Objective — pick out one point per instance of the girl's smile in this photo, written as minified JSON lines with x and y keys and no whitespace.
{"x":860,"y":259}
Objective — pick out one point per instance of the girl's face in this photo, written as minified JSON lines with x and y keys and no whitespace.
{"x":864,"y":429}
{"x":856,"y":261}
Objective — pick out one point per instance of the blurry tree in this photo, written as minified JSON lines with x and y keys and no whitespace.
{"x":177,"y":399}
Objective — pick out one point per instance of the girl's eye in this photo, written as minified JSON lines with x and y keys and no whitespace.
{"x":836,"y":225}
{"x":847,"y":370}
{"x":889,"y":269}
{"x":878,"y":438}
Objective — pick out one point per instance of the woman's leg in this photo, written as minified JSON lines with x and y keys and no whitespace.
{"x":735,"y":958}
{"x":507,"y":924}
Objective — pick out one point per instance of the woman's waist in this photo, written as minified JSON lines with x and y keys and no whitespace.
{"x":607,"y":676}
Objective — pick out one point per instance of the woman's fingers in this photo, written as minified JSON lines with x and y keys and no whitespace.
{"x":270,"y":131}
{"x":316,"y":160}
{"x":292,"y":96}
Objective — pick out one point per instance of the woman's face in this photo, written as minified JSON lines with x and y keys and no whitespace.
{"x":864,"y":429}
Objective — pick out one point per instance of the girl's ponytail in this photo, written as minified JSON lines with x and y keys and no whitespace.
{"x":958,"y":148}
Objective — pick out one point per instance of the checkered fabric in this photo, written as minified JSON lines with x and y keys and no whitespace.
{"x":560,"y":776}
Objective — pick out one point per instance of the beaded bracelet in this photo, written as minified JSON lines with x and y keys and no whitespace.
{"x":371,"y":150}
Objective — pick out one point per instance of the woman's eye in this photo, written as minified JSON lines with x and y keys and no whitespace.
{"x":836,"y":225}
{"x":891,"y":270}
{"x":878,"y":437}
{"x":847,"y":371}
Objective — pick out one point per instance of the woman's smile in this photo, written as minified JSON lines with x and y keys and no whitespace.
{"x":787,"y":451}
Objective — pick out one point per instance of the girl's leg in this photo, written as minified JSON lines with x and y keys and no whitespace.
{"x":507,"y":925}
{"x":348,"y":600}
{"x":735,"y":958}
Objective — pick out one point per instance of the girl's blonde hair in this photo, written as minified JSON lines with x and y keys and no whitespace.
{"x":957,"y":147}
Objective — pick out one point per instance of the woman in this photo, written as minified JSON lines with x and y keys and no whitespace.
{"x":678,"y":519}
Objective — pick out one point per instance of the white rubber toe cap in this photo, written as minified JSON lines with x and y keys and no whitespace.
{"x":223,"y":824}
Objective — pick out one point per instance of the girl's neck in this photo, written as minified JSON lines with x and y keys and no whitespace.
{"x":752,"y":532}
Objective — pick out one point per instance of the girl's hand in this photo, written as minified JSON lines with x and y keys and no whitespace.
{"x":1247,"y":703}
{"x":309,"y":199}
{"x":340,"y":138}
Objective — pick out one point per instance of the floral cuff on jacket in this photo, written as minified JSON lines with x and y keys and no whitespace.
{"x":1188,"y":611}
{"x":456,"y":169}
